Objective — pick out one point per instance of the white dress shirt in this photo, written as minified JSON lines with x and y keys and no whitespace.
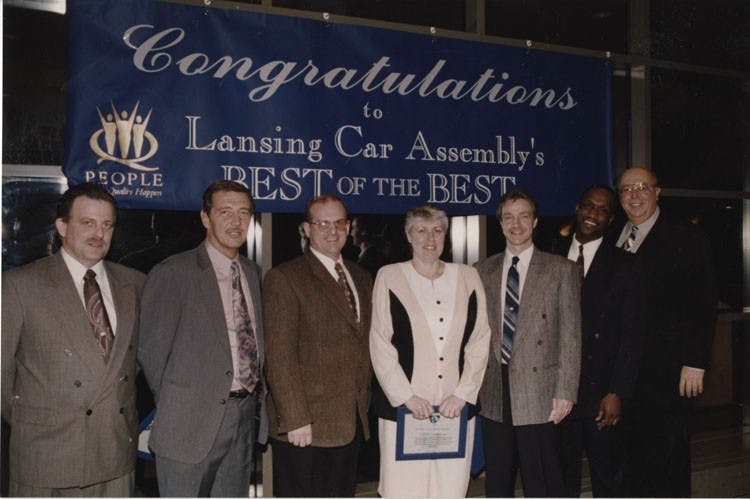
{"x":77,"y":271}
{"x":589,"y":251}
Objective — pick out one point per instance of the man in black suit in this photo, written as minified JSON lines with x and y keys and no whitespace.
{"x":681,"y":315}
{"x":612,"y":340}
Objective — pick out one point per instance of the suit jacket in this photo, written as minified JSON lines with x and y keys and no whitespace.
{"x":185,"y":356}
{"x":546,"y":356}
{"x":613,"y":326}
{"x":681,"y":301}
{"x":403,"y":350}
{"x":73,"y":416}
{"x":318,"y":364}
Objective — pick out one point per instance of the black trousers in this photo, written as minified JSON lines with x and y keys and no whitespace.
{"x":533,"y":448}
{"x":315,"y":471}
{"x":578,"y":432}
{"x":658,"y":444}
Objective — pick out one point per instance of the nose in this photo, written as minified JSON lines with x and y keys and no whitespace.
{"x":99,"y":231}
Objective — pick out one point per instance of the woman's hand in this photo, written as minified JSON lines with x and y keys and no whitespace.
{"x":419,"y":407}
{"x":452,"y":406}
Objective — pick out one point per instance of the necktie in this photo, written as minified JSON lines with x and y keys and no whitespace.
{"x":512,"y":300}
{"x":247,"y":348}
{"x":579,"y":262}
{"x":630,"y":241}
{"x":97,"y":314}
{"x":344,"y":283}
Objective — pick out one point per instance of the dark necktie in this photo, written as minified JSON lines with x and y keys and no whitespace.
{"x":97,"y":314}
{"x":512,"y":300}
{"x":579,"y":262}
{"x":344,"y":283}
{"x":247,"y":348}
{"x":630,"y":241}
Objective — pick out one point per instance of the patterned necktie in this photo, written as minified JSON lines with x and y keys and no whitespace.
{"x":344,"y":283}
{"x":247,"y":348}
{"x":512,"y":300}
{"x":579,"y":262}
{"x":630,"y":241}
{"x":97,"y":314}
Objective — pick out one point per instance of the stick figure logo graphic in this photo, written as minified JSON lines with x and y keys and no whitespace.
{"x":122,"y":138}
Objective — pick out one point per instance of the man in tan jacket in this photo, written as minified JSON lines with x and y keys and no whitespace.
{"x":317,"y":319}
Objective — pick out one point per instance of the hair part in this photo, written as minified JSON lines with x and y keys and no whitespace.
{"x":86,"y":189}
{"x":323,"y":198}
{"x":515,"y":194}
{"x":426,"y":212}
{"x":223,"y":186}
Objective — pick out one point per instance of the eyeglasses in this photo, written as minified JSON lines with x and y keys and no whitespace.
{"x":635,"y":188}
{"x":323,"y":225}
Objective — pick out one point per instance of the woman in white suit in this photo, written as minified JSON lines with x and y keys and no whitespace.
{"x":429,"y":343}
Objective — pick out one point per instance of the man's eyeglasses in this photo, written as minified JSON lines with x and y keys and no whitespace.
{"x":635,"y":188}
{"x":323,"y":225}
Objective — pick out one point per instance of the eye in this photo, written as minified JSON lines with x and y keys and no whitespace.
{"x":107,"y":225}
{"x":87,"y":222}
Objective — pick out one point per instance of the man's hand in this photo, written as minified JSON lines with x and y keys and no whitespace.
{"x":560,"y":409}
{"x":451,"y":407}
{"x":691,"y":381}
{"x":609,"y":411}
{"x":419,"y":407}
{"x":301,"y":437}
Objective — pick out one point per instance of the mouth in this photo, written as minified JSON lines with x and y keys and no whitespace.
{"x":591,"y":223}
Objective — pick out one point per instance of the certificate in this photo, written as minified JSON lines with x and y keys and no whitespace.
{"x":436,"y":437}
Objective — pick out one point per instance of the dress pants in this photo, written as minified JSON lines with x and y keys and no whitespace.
{"x":315,"y":471}
{"x":533,"y":448}
{"x":578,"y":432}
{"x":119,"y":487}
{"x":658,"y":462}
{"x":226,"y":470}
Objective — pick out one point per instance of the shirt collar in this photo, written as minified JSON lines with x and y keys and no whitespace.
{"x":219,"y":260}
{"x":524,"y":257}
{"x":328,"y":262}
{"x":77,"y":269}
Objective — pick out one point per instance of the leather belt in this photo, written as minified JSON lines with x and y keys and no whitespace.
{"x":239,"y":394}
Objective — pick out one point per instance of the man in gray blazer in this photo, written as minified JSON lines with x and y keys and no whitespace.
{"x":317,"y":310}
{"x":201,"y":350}
{"x":69,"y":330}
{"x":531,"y":380}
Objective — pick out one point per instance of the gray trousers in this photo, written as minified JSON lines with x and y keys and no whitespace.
{"x":119,"y":487}
{"x":226,"y":470}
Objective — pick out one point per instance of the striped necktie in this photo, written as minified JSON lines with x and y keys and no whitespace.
{"x":630,"y":241}
{"x":512,"y":300}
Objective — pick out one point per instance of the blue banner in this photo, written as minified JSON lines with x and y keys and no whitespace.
{"x":165,"y":98}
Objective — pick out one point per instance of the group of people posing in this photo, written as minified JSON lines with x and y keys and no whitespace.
{"x":598,"y":348}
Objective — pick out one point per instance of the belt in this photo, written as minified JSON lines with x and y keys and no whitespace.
{"x":239,"y":394}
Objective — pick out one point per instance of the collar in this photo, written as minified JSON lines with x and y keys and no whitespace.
{"x":77,"y":269}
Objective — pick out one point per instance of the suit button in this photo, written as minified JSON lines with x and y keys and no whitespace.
{"x":77,"y":384}
{"x":130,"y":347}
{"x":223,"y":401}
{"x":441,"y":338}
{"x":596,"y":336}
{"x":122,"y":410}
{"x":533,"y":369}
{"x":441,"y":359}
{"x":589,"y":357}
{"x":441,"y":319}
{"x":89,"y":412}
{"x":125,"y":378}
{"x":539,"y":342}
{"x":544,"y":316}
{"x":438,"y":302}
{"x":228,"y":373}
{"x":440,"y":376}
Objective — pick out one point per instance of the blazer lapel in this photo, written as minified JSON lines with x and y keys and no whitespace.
{"x":64,"y":305}
{"x":209,"y":289}
{"x":330,"y":288}
{"x":533,"y":288}
{"x":124,"y":298}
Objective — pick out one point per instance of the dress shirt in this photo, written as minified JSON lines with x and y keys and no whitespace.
{"x":589,"y":251}
{"x":643,"y":230}
{"x":77,"y":271}
{"x":436,"y":297}
{"x":524,"y":259}
{"x":223,"y":269}
{"x":330,"y":265}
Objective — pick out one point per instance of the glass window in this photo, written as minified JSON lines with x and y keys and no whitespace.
{"x":592,"y":24}
{"x":697,"y":130}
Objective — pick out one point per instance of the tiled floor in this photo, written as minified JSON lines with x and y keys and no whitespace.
{"x":721,"y":467}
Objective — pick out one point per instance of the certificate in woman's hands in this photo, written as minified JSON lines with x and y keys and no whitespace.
{"x":436,"y":437}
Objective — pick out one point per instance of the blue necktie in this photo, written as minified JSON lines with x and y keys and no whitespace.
{"x":512,"y":300}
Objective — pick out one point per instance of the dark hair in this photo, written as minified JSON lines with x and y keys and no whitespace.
{"x":224,"y":185}
{"x":87,"y":189}
{"x":602,"y":187}
{"x":323,"y":198}
{"x":512,"y":195}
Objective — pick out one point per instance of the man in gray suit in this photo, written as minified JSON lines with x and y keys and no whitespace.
{"x":201,"y":350}
{"x":531,"y":380}
{"x":69,"y":330}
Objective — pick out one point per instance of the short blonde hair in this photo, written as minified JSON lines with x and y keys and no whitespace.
{"x":428,"y":213}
